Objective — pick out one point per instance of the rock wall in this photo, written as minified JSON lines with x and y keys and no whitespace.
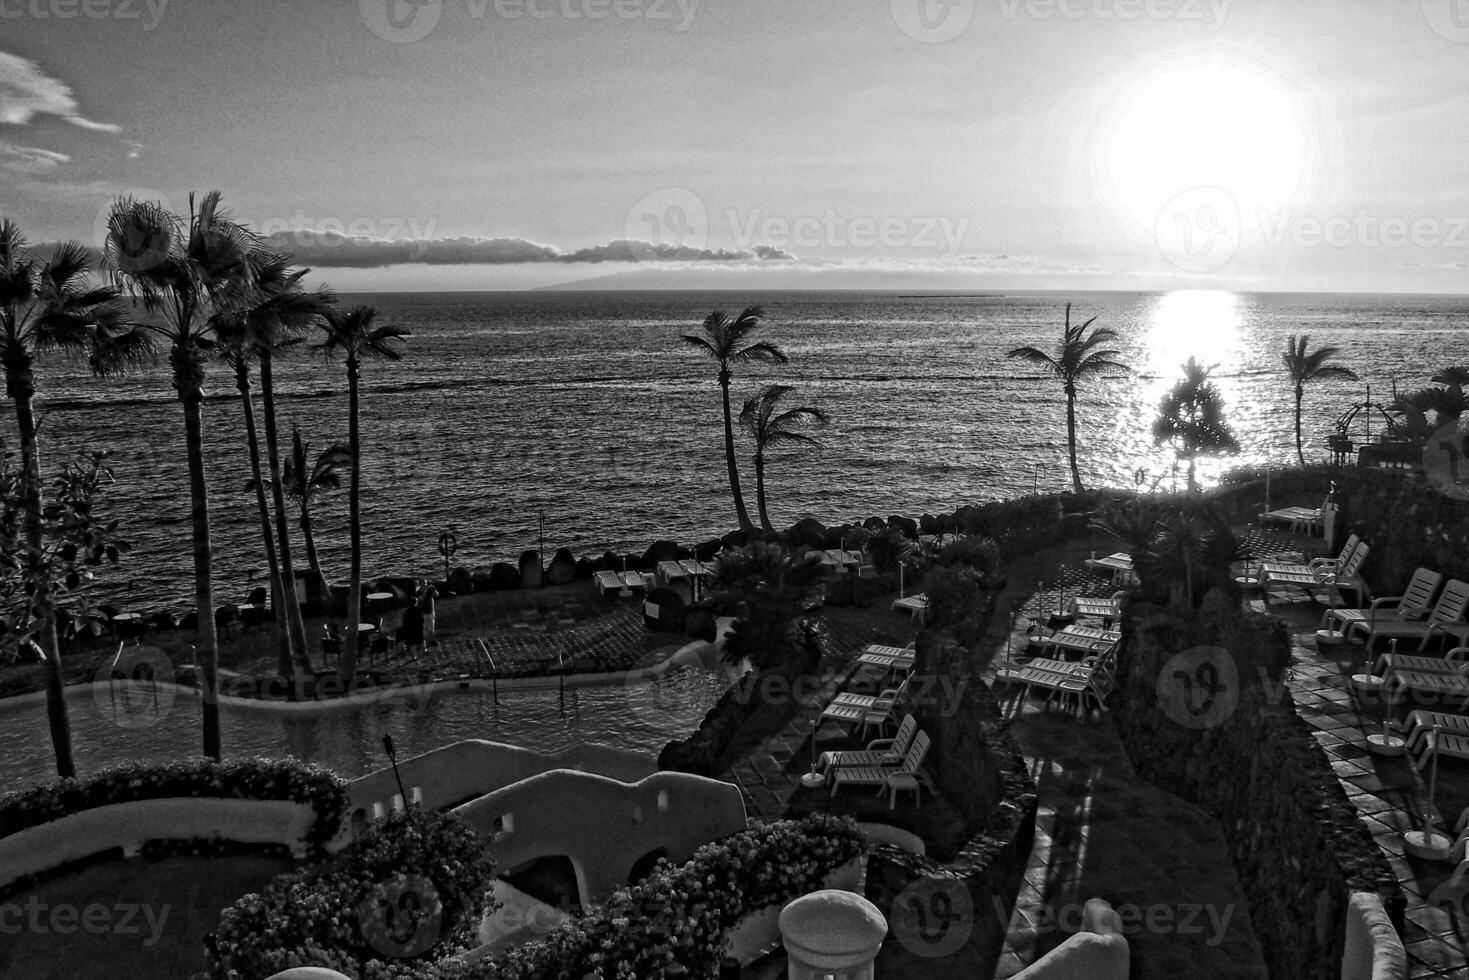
{"x":1202,"y":710}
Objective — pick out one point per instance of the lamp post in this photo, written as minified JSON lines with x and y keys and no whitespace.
{"x":393,"y":758}
{"x":448,"y":544}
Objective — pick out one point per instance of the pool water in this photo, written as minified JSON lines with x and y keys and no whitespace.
{"x":116,"y":724}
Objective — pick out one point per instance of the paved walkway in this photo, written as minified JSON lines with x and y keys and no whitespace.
{"x":1101,"y":832}
{"x":1390,"y":796}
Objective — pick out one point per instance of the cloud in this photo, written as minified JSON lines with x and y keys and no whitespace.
{"x":26,"y":91}
{"x":335,"y":250}
{"x":29,"y":159}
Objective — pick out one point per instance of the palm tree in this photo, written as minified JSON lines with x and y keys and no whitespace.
{"x":771,"y":588}
{"x":770,"y":428}
{"x":238,"y":347}
{"x":44,"y":306}
{"x":1078,"y":356}
{"x":306,"y":482}
{"x":184,"y":273}
{"x":721,"y":340}
{"x":276,"y":318}
{"x":1303,"y":366}
{"x":354,"y":335}
{"x":1191,"y":416}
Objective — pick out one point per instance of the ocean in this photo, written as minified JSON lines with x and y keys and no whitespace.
{"x":584,"y":414}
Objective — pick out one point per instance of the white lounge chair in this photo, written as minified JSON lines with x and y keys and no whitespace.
{"x":878,"y":775}
{"x":880,"y":752}
{"x":1446,"y":612}
{"x":1413,"y":604}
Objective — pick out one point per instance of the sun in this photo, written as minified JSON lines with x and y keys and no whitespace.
{"x":1223,"y":124}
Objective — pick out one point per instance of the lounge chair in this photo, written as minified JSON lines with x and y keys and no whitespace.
{"x":1302,"y":520}
{"x":846,"y":707}
{"x":608,"y":581}
{"x":916,"y":606}
{"x":1413,"y":604}
{"x":1442,"y":744}
{"x":1344,"y":572}
{"x":1421,"y":723}
{"x":1446,"y":613}
{"x":1448,"y":689}
{"x":878,"y":775}
{"x":1387,"y":663}
{"x":881,"y":752}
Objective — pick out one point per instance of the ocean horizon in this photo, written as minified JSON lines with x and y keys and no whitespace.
{"x":585,"y":410}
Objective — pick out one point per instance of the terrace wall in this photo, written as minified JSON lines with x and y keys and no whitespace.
{"x":1294,"y":838}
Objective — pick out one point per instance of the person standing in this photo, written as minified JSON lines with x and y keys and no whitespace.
{"x":426,"y":597}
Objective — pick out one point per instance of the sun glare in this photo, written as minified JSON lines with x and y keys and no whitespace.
{"x":1199,"y":323}
{"x":1234,"y":127}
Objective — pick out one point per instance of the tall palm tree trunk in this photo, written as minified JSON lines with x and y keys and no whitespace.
{"x":22,"y":390}
{"x":347,"y":662}
{"x":301,"y":654}
{"x":741,"y":513}
{"x":188,"y":373}
{"x":760,"y":493}
{"x":283,"y":658}
{"x":1071,"y":440}
{"x":1300,"y":450}
{"x":313,"y":561}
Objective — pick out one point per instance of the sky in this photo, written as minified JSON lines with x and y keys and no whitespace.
{"x":947,"y":144}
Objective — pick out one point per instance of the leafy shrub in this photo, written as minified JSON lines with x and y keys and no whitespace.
{"x":411,"y":889}
{"x":677,"y":916}
{"x":239,"y":779}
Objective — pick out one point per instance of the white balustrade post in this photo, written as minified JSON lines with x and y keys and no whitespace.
{"x":832,"y":934}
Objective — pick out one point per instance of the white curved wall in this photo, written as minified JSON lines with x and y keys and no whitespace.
{"x":602,"y":825}
{"x":130,"y":825}
{"x":463,"y":770}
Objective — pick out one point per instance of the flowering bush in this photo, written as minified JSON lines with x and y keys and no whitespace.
{"x":679,"y":915}
{"x":411,"y":887}
{"x":240,"y":779}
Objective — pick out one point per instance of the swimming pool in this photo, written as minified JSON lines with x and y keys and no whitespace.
{"x":111,"y":725}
